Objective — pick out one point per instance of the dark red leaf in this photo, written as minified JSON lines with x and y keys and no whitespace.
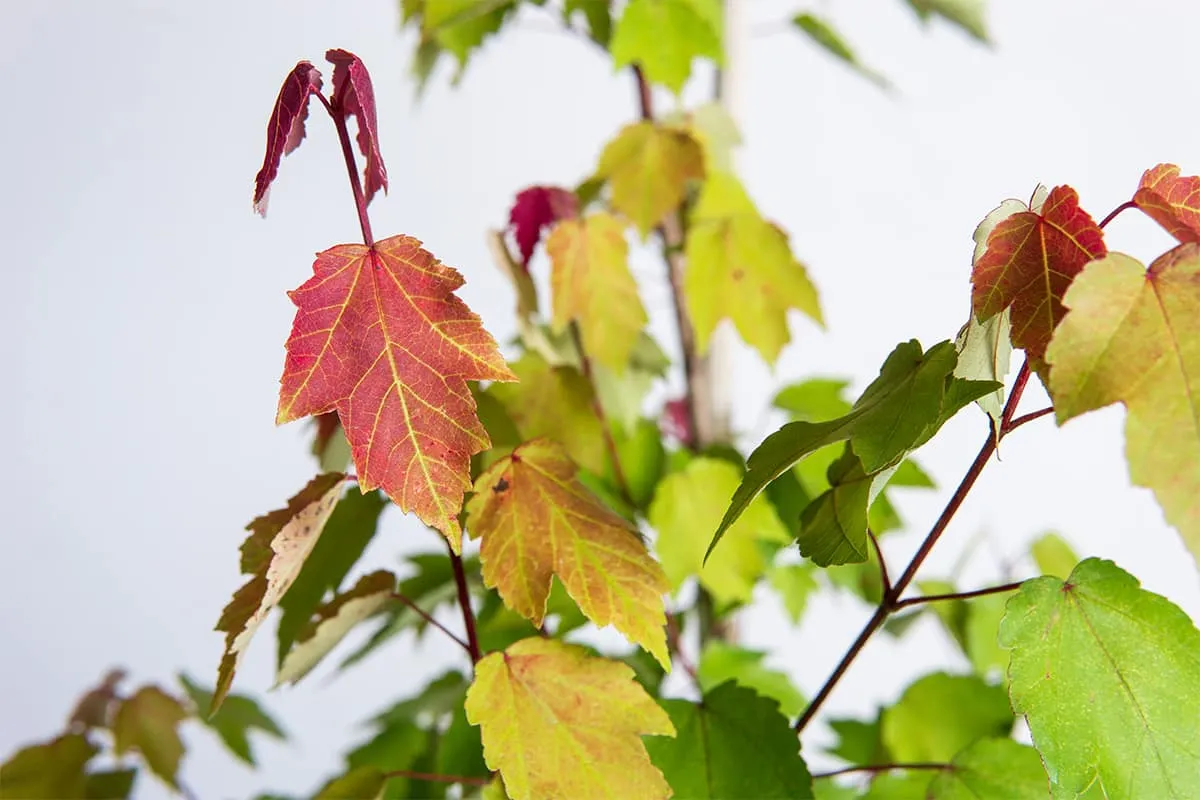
{"x":285,"y":131}
{"x":536,"y":209}
{"x":677,"y":422}
{"x":353,"y":96}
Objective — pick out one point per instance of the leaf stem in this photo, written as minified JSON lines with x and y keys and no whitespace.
{"x":891,"y":599}
{"x":934,"y":598}
{"x":585,"y":365}
{"x":1116,"y":212}
{"x":436,"y":778}
{"x":1030,"y":417}
{"x":360,"y":200}
{"x":464,"y":600}
{"x":884,"y":768}
{"x":884,"y":578}
{"x":425,"y":615}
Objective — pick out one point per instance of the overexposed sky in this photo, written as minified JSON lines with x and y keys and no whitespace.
{"x":147,"y":310}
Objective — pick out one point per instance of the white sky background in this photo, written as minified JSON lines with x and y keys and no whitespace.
{"x":146,"y":313}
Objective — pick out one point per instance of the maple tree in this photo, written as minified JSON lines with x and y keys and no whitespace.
{"x":595,"y":496}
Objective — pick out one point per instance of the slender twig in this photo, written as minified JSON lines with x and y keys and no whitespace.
{"x":1116,"y":211}
{"x":1030,"y":417}
{"x":464,"y":600}
{"x":891,"y":599}
{"x":425,"y":615}
{"x":884,"y":768}
{"x":360,"y":200}
{"x":673,"y":637}
{"x":934,"y":598}
{"x":883,"y":570}
{"x":585,"y":366}
{"x":436,"y":778}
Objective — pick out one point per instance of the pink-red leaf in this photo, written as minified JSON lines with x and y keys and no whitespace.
{"x":285,"y":131}
{"x":380,"y":336}
{"x":536,"y":209}
{"x":354,"y":96}
{"x":1031,"y":259}
{"x":1171,"y":201}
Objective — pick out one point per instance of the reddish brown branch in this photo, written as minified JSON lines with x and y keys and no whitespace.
{"x":360,"y":200}
{"x":935,"y":598}
{"x":425,"y":615}
{"x":464,"y":600}
{"x":1116,"y":212}
{"x":436,"y":778}
{"x":1030,"y":417}
{"x":673,"y":637}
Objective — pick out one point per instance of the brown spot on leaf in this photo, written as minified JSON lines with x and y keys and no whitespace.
{"x":501,"y":486}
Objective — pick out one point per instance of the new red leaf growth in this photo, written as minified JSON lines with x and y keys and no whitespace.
{"x":536,"y":209}
{"x":285,"y":131}
{"x":353,"y":96}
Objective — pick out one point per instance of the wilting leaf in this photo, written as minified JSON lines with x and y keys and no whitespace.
{"x":721,"y":662}
{"x":537,"y":521}
{"x":1131,"y":336}
{"x":733,"y":744}
{"x":823,"y":34}
{"x":592,"y":286}
{"x":234,"y":721}
{"x":996,"y":769}
{"x":1171,"y":201}
{"x":740,"y":267}
{"x":534,"y":210}
{"x":149,"y":723}
{"x":1030,"y":260}
{"x":273,"y":554}
{"x":557,"y":722}
{"x":663,"y":36}
{"x":333,"y":621}
{"x":966,"y":14}
{"x":353,"y":96}
{"x":648,"y":165}
{"x":285,"y":131}
{"x":51,"y":770}
{"x":940,"y":714}
{"x":690,"y":502}
{"x":380,"y":336}
{"x":1107,"y":676}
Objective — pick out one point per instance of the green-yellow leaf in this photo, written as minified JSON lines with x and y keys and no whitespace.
{"x":148,"y":722}
{"x":992,"y":769}
{"x":1053,"y":556}
{"x":940,"y":714}
{"x":648,"y":166}
{"x":1133,"y":336}
{"x":687,"y":505}
{"x":970,"y":15}
{"x":721,"y":662}
{"x":821,"y":32}
{"x":537,"y":520}
{"x":558,"y":722}
{"x":360,"y":783}
{"x":273,"y":554}
{"x":663,"y":36}
{"x":1107,"y":675}
{"x":52,"y":770}
{"x":233,"y":722}
{"x":741,"y":268}
{"x":794,"y":582}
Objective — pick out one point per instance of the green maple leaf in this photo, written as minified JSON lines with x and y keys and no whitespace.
{"x":1107,"y":676}
{"x":822,"y":33}
{"x":740,"y":267}
{"x":663,"y":36}
{"x":721,"y":662}
{"x":237,"y":716}
{"x":691,"y":501}
{"x":733,"y":744}
{"x":149,"y":723}
{"x":48,"y":771}
{"x":992,"y":769}
{"x":940,"y":714}
{"x":1053,"y":556}
{"x":1132,"y":335}
{"x":970,"y":15}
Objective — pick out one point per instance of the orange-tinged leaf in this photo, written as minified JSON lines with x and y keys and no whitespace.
{"x":1171,"y":201}
{"x":648,"y":166}
{"x":380,"y":337}
{"x":537,"y":520}
{"x":273,"y":555}
{"x":592,"y":286}
{"x":1133,"y":336}
{"x":558,"y":722}
{"x":1031,"y":259}
{"x":149,"y":723}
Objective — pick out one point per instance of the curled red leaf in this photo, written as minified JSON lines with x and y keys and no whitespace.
{"x":1171,"y":201}
{"x":285,"y":131}
{"x":354,"y":96}
{"x":676,"y":421}
{"x":536,"y":209}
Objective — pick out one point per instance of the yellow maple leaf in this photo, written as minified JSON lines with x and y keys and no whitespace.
{"x":559,"y":722}
{"x":1132,"y":335}
{"x":741,"y":268}
{"x":591,"y":285}
{"x":648,"y":166}
{"x":537,"y":520}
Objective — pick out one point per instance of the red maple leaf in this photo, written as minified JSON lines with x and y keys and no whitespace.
{"x":1171,"y":201}
{"x":536,"y":209}
{"x":380,"y":337}
{"x":285,"y":131}
{"x":353,"y":96}
{"x":1030,"y":260}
